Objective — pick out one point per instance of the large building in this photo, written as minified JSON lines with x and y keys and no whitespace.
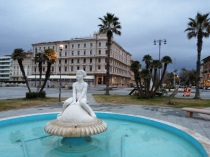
{"x":89,"y":54}
{"x":205,"y":72}
{"x":5,"y":68}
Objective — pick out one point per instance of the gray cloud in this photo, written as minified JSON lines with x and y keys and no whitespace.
{"x":26,"y":22}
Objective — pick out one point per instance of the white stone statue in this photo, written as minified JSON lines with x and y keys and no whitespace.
{"x":77,"y":119}
{"x":79,"y":96}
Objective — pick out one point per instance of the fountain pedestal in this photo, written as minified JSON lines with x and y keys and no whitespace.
{"x":75,"y":122}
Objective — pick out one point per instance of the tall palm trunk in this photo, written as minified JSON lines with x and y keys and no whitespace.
{"x":24,"y":75}
{"x":161,"y":80}
{"x":40,"y":76}
{"x":109,"y":35}
{"x":47,"y":75}
{"x":199,"y":46}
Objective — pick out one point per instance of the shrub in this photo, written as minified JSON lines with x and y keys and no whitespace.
{"x":34,"y":95}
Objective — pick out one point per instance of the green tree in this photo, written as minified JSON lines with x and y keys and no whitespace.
{"x":145,"y":77}
{"x":40,"y":59}
{"x":198,"y":27}
{"x":110,"y":25}
{"x":51,"y":57}
{"x":165,"y":60}
{"x":19,"y":55}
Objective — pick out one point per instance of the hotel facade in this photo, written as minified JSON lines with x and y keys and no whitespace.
{"x":89,"y":54}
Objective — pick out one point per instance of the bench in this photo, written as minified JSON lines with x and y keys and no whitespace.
{"x":189,"y":111}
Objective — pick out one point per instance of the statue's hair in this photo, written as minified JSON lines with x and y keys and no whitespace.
{"x":82,"y":72}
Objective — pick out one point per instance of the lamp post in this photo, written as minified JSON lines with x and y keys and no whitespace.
{"x":60,"y":48}
{"x":159,"y":41}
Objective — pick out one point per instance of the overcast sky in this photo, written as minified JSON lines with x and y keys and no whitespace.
{"x":25,"y":22}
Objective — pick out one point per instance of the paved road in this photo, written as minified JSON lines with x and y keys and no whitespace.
{"x":19,"y":92}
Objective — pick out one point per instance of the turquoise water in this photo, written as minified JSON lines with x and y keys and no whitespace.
{"x":126,"y":136}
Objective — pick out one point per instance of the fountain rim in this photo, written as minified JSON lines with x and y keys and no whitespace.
{"x":202,"y":140}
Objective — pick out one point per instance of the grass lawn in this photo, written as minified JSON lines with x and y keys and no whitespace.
{"x":9,"y":104}
{"x":156,"y":101}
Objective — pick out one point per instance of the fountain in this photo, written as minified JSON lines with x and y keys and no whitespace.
{"x":77,"y":121}
{"x":76,"y":132}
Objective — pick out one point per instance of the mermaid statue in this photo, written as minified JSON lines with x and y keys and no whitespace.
{"x":76,"y":119}
{"x":79,"y":97}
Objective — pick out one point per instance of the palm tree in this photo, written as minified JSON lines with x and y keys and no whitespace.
{"x":135,"y":67}
{"x":156,"y":64}
{"x":19,"y":55}
{"x":40,"y":58}
{"x":165,"y":60}
{"x":110,"y":25}
{"x":51,"y":57}
{"x":198,"y":27}
{"x":148,"y":60}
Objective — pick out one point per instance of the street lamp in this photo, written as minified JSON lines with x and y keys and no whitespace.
{"x":159,"y":41}
{"x":60,"y":48}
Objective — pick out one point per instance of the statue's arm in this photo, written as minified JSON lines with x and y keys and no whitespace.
{"x":84,"y":91}
{"x":74,"y":93}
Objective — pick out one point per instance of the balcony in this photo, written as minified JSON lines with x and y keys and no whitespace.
{"x":5,"y":69}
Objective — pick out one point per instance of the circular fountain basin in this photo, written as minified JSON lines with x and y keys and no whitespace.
{"x":126,"y":136}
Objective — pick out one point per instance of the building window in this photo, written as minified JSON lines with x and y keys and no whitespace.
{"x":43,"y":69}
{"x":66,"y":46}
{"x":99,"y":67}
{"x":99,"y":44}
{"x":78,"y":53}
{"x":99,"y":52}
{"x":90,"y":67}
{"x":52,"y":69}
{"x":84,"y":52}
{"x":59,"y":69}
{"x":84,"y":60}
{"x":53,"y":47}
{"x":65,"y":61}
{"x":59,"y":61}
{"x":60,"y":54}
{"x":65,"y":53}
{"x":35,"y":69}
{"x":72,"y":46}
{"x":91,"y":44}
{"x":77,"y":67}
{"x":78,"y":45}
{"x":84,"y":68}
{"x":72,"y":68}
{"x":65,"y":69}
{"x":84,"y":44}
{"x":90,"y":52}
{"x":90,"y":60}
{"x":99,"y":60}
{"x":36,"y":50}
{"x":77,"y":60}
{"x":72,"y":53}
{"x":72,"y":60}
